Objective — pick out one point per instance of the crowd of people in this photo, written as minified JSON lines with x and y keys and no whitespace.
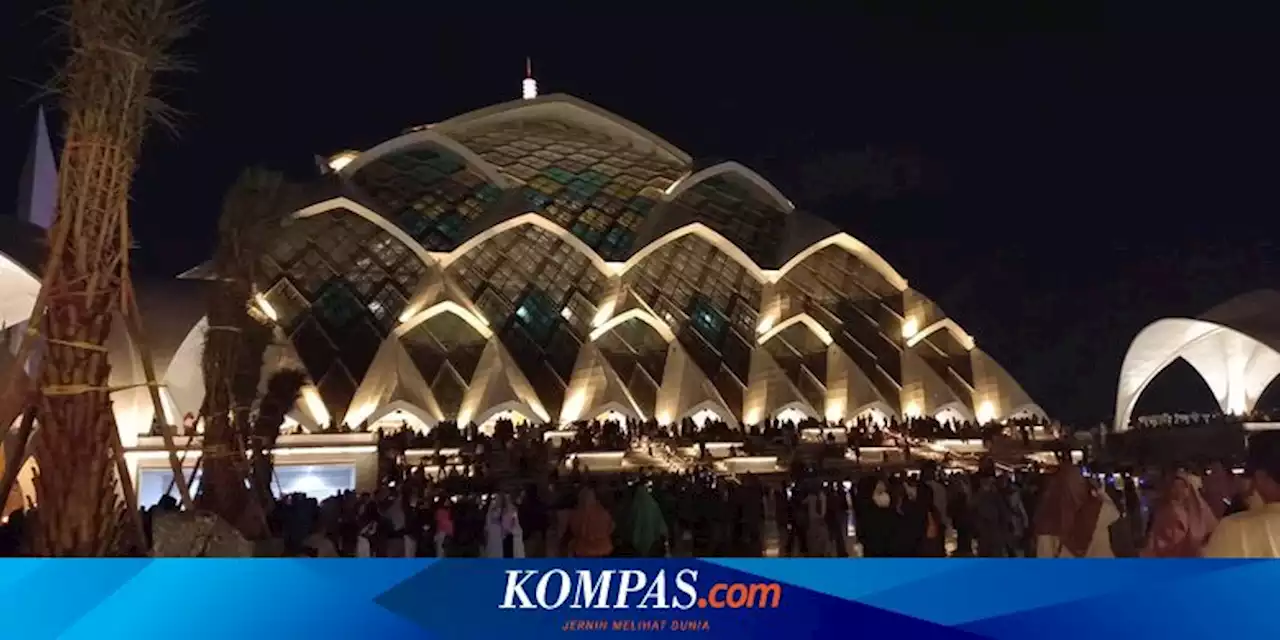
{"x":508,"y":493}
{"x":1174,"y":420}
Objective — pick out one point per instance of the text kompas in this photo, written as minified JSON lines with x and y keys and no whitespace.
{"x":630,"y":589}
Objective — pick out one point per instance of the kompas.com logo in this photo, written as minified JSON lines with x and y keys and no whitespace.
{"x":631,"y":589}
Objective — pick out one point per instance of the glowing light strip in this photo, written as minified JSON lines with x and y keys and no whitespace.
{"x":806,"y":320}
{"x":963,"y":338}
{"x":635,"y":314}
{"x":535,"y":219}
{"x":425,"y":137}
{"x":706,"y":233}
{"x":688,"y":181}
{"x":340,"y":160}
{"x":448,"y":306}
{"x":821,"y":430}
{"x":601,"y":455}
{"x":447,"y":452}
{"x":266,"y":307}
{"x":563,"y":107}
{"x":853,"y":246}
{"x":373,"y":217}
{"x":135,"y":456}
{"x":315,"y":404}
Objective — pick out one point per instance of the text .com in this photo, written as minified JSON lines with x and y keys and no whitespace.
{"x":631,"y":589}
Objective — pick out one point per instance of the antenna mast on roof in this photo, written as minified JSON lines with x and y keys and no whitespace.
{"x":529,"y":87}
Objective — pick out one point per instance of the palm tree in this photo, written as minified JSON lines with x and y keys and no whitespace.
{"x":282,"y":392}
{"x":238,"y":337}
{"x":117,"y":48}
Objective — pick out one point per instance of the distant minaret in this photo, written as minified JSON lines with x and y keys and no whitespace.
{"x":38,"y":191}
{"x":528,"y":88}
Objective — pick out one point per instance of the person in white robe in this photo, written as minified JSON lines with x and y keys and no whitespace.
{"x":1254,"y":533}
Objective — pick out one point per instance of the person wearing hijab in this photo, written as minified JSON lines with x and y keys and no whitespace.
{"x":1182,"y":522}
{"x":874,"y":519}
{"x":647,"y":527}
{"x":933,"y":542}
{"x":590,"y":527}
{"x":1073,"y":519}
{"x":503,"y":537}
{"x":1254,"y":533}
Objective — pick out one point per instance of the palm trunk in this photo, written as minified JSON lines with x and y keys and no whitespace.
{"x":283,"y":389}
{"x":234,"y":348}
{"x":222,"y":489}
{"x":117,"y":46}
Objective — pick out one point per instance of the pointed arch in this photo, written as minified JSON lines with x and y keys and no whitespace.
{"x":566,"y":108}
{"x":615,"y":406}
{"x":635,"y":314}
{"x":803,"y":319}
{"x":347,"y":204}
{"x":948,"y":324}
{"x":955,"y":406}
{"x":689,"y":180}
{"x":798,"y":405}
{"x":706,"y":233}
{"x":714,"y":406}
{"x":1028,"y":409}
{"x":1237,"y":365}
{"x":515,"y":406}
{"x":535,"y":219}
{"x":473,"y":320}
{"x":853,"y":246}
{"x":426,"y":137}
{"x":405,"y":406}
{"x":880,"y":405}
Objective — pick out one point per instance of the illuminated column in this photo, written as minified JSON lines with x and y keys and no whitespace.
{"x":770,"y":308}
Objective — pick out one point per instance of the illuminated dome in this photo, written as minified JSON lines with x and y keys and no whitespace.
{"x":1235,"y":347}
{"x":548,"y":260}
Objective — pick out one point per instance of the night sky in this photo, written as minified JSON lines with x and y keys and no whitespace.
{"x":1053,"y":179}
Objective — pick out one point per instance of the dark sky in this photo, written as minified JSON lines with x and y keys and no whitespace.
{"x":1055,"y":179}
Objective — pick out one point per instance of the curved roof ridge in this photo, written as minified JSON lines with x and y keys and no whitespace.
{"x":855,"y":247}
{"x":718,"y":240}
{"x":573,"y":110}
{"x":692,"y":179}
{"x":945,"y":324}
{"x":1255,"y":313}
{"x":421,"y":137}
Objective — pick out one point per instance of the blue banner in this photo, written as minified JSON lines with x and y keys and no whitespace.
{"x":470,"y":599}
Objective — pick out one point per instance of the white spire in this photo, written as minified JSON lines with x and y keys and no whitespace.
{"x":529,"y":87}
{"x":39,"y":188}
